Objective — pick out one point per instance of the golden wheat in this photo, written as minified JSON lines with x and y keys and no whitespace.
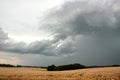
{"x":110,"y":73}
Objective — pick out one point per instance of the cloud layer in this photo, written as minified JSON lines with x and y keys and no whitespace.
{"x":86,"y":31}
{"x":91,"y":27}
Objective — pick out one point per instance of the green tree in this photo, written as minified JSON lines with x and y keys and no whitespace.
{"x":52,"y":68}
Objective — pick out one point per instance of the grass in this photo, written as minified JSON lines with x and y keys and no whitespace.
{"x":110,"y":73}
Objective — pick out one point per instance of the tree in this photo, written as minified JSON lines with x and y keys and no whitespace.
{"x":52,"y":68}
{"x":65,"y":67}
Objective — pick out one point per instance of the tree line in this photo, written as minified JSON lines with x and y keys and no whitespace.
{"x":61,"y":67}
{"x":65,"y":67}
{"x":6,"y":65}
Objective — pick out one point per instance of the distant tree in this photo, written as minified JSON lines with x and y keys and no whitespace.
{"x":115,"y":65}
{"x":6,"y":65}
{"x":52,"y":68}
{"x":18,"y":66}
{"x":71,"y":66}
{"x":65,"y":67}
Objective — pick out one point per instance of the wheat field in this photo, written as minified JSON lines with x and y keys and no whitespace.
{"x":109,"y":73}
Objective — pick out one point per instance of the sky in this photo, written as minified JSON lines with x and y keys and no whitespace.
{"x":45,"y":32}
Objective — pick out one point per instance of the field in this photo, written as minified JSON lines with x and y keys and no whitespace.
{"x":110,"y":73}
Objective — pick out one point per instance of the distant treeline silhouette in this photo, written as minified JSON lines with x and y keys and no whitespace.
{"x":65,"y":67}
{"x":9,"y":65}
{"x":61,"y":67}
{"x":6,"y":65}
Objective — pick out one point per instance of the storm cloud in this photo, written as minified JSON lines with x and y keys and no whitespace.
{"x":82,"y":30}
{"x":91,"y":27}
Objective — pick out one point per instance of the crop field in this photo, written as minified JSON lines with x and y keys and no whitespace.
{"x":108,"y":73}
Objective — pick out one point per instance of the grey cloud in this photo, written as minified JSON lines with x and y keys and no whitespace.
{"x":83,"y":18}
{"x":93,"y":28}
{"x":3,"y":35}
{"x":44,"y":47}
{"x":6,"y":44}
{"x":37,"y":47}
{"x":3,"y":38}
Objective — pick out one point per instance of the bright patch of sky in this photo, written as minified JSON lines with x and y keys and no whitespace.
{"x":20,"y":18}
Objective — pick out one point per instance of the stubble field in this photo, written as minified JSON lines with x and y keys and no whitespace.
{"x":110,"y":73}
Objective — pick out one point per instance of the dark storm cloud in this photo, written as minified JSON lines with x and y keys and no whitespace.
{"x":93,"y":28}
{"x":53,"y":47}
{"x":3,"y":38}
{"x":45,"y":47}
{"x":83,"y":17}
{"x":37,"y":47}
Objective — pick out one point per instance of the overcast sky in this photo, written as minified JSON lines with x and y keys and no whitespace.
{"x":44,"y":32}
